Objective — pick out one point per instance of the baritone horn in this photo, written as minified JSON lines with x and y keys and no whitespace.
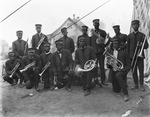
{"x":88,"y":66}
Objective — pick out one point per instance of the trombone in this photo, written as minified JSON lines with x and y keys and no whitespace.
{"x":14,"y":69}
{"x":137,"y":54}
{"x":28,"y":66}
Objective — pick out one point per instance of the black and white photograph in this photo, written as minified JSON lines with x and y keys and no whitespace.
{"x":75,"y":58}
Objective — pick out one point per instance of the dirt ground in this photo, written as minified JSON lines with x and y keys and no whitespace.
{"x":102,"y":102}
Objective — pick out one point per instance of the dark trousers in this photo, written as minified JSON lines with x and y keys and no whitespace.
{"x":140,"y":66}
{"x":33,"y":77}
{"x":100,"y":58}
{"x":86,"y":80}
{"x":48,"y":79}
{"x":10,"y":80}
{"x":119,"y":82}
{"x":65,"y":78}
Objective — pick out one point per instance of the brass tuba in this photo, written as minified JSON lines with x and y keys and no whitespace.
{"x":88,"y":66}
{"x":114,"y":62}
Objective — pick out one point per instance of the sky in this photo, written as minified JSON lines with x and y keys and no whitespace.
{"x":52,"y":13}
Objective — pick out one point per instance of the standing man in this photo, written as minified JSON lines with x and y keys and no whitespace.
{"x":98,"y":43}
{"x":11,"y":65}
{"x":38,"y":39}
{"x":135,"y":40}
{"x":118,"y":75}
{"x":84,"y":34}
{"x":82,"y":55}
{"x":68,"y":42}
{"x":62,"y":66}
{"x":31,"y":74}
{"x":46,"y":59}
{"x":123,"y":37}
{"x":19,"y":46}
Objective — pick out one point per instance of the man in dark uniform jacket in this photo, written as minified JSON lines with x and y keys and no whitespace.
{"x":62,"y":65}
{"x":36,"y":38}
{"x":119,"y":74}
{"x":68,"y":42}
{"x":9,"y":66}
{"x":19,"y":46}
{"x":82,"y":55}
{"x":133,"y":38}
{"x":47,"y":76}
{"x":84,"y":34}
{"x":31,"y":75}
{"x":123,"y":37}
{"x":98,"y":43}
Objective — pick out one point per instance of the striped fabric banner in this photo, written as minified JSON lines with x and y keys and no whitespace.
{"x":141,"y":12}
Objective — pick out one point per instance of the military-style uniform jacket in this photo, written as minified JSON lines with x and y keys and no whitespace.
{"x":99,"y":48}
{"x":18,"y":47}
{"x":132,"y":40}
{"x":83,"y":55}
{"x":26,"y":61}
{"x":68,"y":44}
{"x":9,"y":65}
{"x":35,"y":39}
{"x":63,"y":63}
{"x":45,"y":58}
{"x":87,"y":38}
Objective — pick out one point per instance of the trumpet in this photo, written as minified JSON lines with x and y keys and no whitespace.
{"x":28,"y":66}
{"x":88,"y":66}
{"x":114,"y":62}
{"x":14,"y":69}
{"x":45,"y":68}
{"x":40,"y":42}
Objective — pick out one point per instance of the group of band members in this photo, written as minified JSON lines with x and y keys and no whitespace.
{"x":60,"y":65}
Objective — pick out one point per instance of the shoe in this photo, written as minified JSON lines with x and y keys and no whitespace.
{"x":142,"y":88}
{"x":21,"y":85}
{"x":52,"y":88}
{"x":105,"y":84}
{"x":135,"y":87}
{"x":87,"y":92}
{"x":37,"y":89}
{"x":68,"y":89}
{"x":99,"y":84}
{"x":126,"y":98}
{"x":13,"y":83}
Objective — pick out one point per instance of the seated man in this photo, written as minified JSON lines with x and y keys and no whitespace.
{"x":31,"y":69}
{"x":46,"y":60}
{"x":119,"y":71}
{"x":62,"y":66}
{"x":82,"y":55}
{"x":12,"y":67}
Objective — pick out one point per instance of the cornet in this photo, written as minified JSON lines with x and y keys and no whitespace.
{"x":40,"y":42}
{"x":14,"y":69}
{"x":28,"y":66}
{"x":45,"y":68}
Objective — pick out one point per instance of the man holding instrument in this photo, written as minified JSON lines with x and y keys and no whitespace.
{"x":135,"y":42}
{"x":119,"y":66}
{"x":31,"y":69}
{"x":82,"y":55}
{"x":10,"y":67}
{"x":46,"y":63}
{"x":19,"y":46}
{"x":38,"y":39}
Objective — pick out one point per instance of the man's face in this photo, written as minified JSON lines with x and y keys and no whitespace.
{"x":64,"y":32}
{"x":96,"y":25}
{"x":135,"y":27}
{"x":84,"y":30}
{"x":59,"y":46}
{"x":38,"y":29}
{"x":116,"y":45}
{"x":12,"y":56}
{"x":19,"y":35}
{"x":47,"y":48}
{"x":116,"y":30}
{"x":31,"y":53}
{"x":82,"y":43}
